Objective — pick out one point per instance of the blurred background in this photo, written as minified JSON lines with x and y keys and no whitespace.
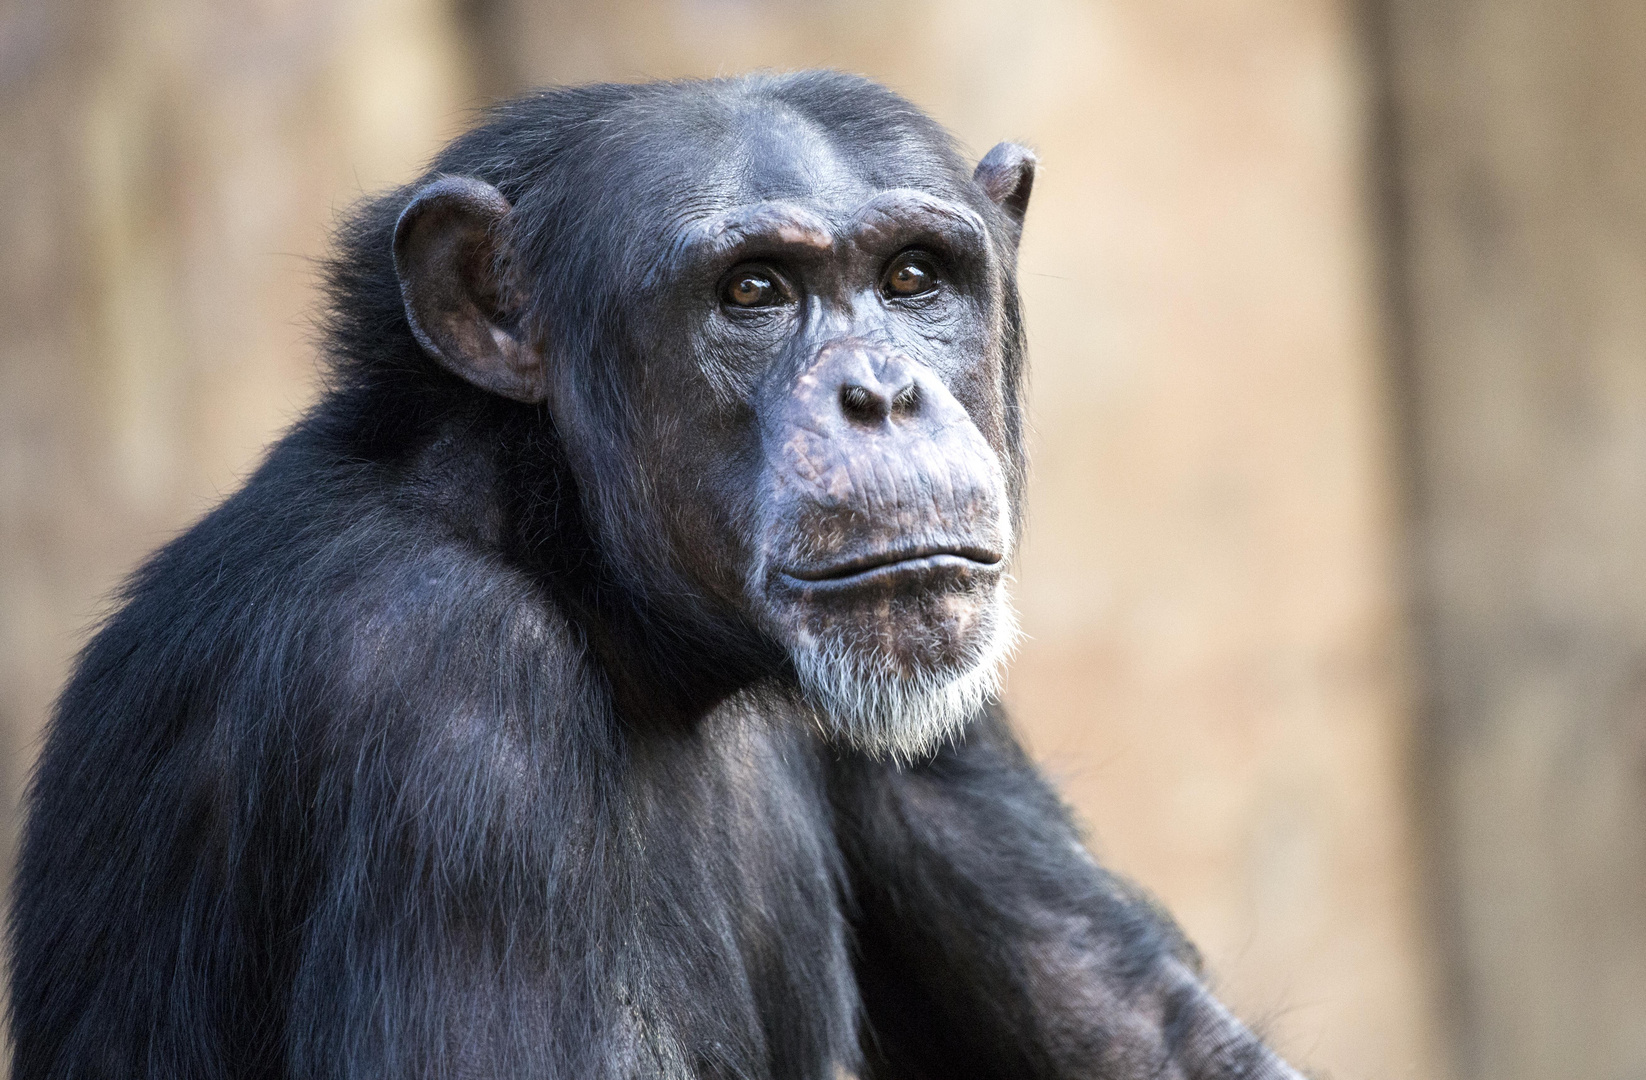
{"x":1335,"y":577}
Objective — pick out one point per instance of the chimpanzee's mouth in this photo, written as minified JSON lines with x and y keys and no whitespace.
{"x":886,"y":565}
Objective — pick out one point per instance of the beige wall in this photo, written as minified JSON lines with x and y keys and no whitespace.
{"x":1216,"y":670}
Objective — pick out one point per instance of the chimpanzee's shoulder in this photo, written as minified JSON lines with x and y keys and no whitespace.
{"x":320,"y":552}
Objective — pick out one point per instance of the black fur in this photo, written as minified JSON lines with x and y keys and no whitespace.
{"x":390,"y":767}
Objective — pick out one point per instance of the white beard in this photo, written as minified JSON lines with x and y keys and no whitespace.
{"x":855,"y":696}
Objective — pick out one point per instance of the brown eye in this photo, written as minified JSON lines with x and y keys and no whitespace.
{"x":751,"y":289}
{"x":909,"y":277}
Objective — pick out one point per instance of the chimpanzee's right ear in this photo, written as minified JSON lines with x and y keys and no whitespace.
{"x":446,"y":257}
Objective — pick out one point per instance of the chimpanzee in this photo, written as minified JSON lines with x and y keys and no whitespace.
{"x":600,"y":680}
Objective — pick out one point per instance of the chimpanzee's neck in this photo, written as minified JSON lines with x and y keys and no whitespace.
{"x":664,"y":664}
{"x":660,"y":671}
{"x":510,"y":487}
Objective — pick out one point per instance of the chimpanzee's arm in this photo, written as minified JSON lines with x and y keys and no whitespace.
{"x":991,"y":944}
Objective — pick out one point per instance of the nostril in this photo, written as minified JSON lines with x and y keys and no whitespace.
{"x":906,"y":401}
{"x":864,"y":405}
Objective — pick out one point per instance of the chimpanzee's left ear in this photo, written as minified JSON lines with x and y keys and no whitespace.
{"x":446,"y":257}
{"x":1006,"y":175}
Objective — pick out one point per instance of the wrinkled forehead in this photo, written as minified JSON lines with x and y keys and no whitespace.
{"x":779,"y":180}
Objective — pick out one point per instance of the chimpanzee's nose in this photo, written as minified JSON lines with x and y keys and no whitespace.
{"x":875,"y":384}
{"x":872,"y":398}
{"x":858,"y":390}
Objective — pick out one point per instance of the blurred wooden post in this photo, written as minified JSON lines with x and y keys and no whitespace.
{"x":1518,"y":218}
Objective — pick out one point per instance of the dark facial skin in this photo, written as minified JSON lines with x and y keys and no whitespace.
{"x":885,"y":505}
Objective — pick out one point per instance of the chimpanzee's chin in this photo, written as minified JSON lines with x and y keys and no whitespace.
{"x":901,"y":688}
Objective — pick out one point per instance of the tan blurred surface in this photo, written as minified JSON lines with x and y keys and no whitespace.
{"x":1219,"y":671}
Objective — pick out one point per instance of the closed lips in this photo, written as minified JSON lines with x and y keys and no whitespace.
{"x":895,"y":561}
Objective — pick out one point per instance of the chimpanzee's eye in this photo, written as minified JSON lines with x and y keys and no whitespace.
{"x":909,"y":275}
{"x":752,"y":287}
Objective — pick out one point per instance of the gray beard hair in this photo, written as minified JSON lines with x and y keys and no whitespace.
{"x":854,"y":697}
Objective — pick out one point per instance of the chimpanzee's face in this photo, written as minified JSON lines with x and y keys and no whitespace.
{"x":810,"y":408}
{"x":836,"y":356}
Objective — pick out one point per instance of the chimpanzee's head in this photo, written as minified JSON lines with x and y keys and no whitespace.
{"x":773,"y":323}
